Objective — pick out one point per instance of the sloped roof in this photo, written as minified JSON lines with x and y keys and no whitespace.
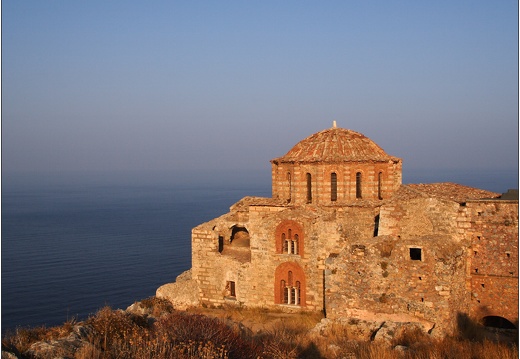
{"x":336,"y":145}
{"x":453,"y":191}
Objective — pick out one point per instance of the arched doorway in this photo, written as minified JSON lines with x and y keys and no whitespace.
{"x":494,"y":321}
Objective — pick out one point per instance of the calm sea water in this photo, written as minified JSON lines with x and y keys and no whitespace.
{"x":68,"y":250}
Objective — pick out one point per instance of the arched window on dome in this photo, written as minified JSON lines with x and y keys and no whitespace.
{"x":333,"y":187}
{"x":379,"y":185}
{"x":358,"y":185}
{"x":309,"y":188}
{"x":290,"y":187}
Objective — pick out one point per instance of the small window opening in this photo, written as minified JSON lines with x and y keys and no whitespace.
{"x":478,"y":237}
{"x":508,"y":255}
{"x":420,"y":278}
{"x":416,"y":254}
{"x":358,"y":185}
{"x":333,"y":187}
{"x":379,"y":185}
{"x":290,"y":186}
{"x":220,"y":244}
{"x":309,"y":188}
{"x":376,"y":225}
{"x":230,"y":289}
{"x":476,"y":270}
{"x":475,"y":252}
{"x":483,"y":286}
{"x":422,"y":299}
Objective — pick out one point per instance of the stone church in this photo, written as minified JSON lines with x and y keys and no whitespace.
{"x":341,"y":234}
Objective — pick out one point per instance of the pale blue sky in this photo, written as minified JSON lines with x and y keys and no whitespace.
{"x":228,"y":85}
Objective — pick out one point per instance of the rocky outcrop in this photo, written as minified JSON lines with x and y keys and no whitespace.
{"x":182,"y":294}
{"x":383,"y":331}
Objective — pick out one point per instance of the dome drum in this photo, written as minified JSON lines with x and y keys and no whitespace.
{"x":335,"y":165}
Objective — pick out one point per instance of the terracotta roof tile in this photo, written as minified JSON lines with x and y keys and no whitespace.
{"x":453,"y":191}
{"x":336,"y":145}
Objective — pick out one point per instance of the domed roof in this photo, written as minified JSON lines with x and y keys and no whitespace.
{"x":336,"y":145}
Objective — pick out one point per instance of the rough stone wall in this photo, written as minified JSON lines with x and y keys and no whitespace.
{"x":255,"y":277}
{"x":378,"y":279}
{"x":493,"y":265}
{"x":412,"y":258}
{"x":414,"y":270}
{"x":293,"y":188}
{"x":418,"y":216}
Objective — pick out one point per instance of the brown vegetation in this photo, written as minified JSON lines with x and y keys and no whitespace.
{"x":162,"y":333}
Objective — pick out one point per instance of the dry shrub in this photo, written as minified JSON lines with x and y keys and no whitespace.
{"x":88,"y":351}
{"x":374,"y":350}
{"x":412,"y":337}
{"x":157,"y":306}
{"x":281,"y":343}
{"x":111,"y":329}
{"x":180,"y":327}
{"x":23,"y":338}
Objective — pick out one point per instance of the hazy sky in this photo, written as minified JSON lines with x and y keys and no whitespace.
{"x":229,"y":85}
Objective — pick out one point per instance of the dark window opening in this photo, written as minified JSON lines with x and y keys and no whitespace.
{"x":333,"y":187}
{"x":220,"y":244}
{"x":230,"y":289}
{"x":508,"y":255}
{"x":379,"y":185}
{"x":290,"y":186}
{"x":358,"y":185}
{"x":376,"y":225}
{"x":309,"y":188}
{"x":416,"y":254}
{"x":497,"y":322}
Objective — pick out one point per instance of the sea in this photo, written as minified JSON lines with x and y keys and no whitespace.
{"x":71,"y":247}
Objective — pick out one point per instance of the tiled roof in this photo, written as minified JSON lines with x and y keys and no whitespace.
{"x":336,"y":145}
{"x":453,"y":191}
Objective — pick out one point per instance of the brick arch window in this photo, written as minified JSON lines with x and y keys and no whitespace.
{"x":289,"y":284}
{"x":290,"y":187}
{"x":309,"y":187}
{"x":358,"y":185}
{"x":289,"y":238}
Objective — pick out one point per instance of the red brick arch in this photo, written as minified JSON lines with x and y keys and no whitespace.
{"x":295,"y":229}
{"x":282,"y":273}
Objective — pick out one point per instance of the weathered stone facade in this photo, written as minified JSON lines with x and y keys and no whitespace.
{"x":343,"y":235}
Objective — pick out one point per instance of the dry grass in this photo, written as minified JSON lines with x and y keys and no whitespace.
{"x":118,"y":334}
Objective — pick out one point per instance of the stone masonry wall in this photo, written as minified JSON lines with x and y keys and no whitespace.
{"x":493,"y":265}
{"x":323,"y":232}
{"x":379,"y":279}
